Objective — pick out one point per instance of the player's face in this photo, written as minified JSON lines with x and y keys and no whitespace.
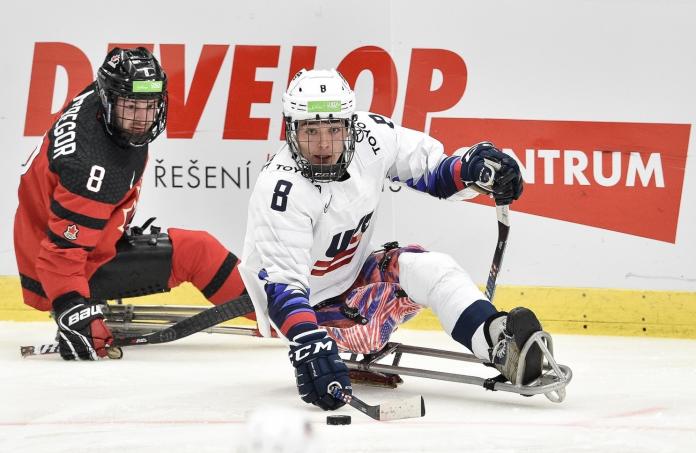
{"x":135,"y":115}
{"x":322,"y":141}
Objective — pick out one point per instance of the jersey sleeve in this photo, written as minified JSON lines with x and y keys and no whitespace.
{"x":421,"y":164}
{"x":281,"y":219}
{"x":76,"y":221}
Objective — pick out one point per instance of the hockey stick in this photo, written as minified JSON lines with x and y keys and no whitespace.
{"x":503,"y":230}
{"x":389,"y":410}
{"x":503,"y":227}
{"x":196,"y":323}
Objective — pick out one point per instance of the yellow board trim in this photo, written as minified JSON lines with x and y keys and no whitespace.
{"x":561,"y":310}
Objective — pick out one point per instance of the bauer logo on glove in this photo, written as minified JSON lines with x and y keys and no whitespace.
{"x":85,"y":313}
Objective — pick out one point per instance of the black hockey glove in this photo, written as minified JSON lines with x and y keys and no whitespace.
{"x":82,"y":333}
{"x":492,"y":171}
{"x":318,"y":368}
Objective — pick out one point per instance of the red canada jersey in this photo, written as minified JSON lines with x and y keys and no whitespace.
{"x":77,"y":194}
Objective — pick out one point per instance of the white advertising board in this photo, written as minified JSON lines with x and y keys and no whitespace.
{"x":595,"y":99}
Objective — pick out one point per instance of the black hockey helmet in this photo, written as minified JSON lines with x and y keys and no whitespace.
{"x":133,"y":91}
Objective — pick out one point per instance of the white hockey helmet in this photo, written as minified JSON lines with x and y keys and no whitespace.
{"x":319,"y":95}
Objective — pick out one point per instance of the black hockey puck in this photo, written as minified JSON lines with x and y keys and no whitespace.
{"x":338,"y":420}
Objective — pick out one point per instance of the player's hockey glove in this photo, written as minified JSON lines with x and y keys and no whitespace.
{"x":492,"y":171}
{"x":82,"y":333}
{"x":318,"y":368}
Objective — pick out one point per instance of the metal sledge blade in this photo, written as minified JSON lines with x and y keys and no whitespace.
{"x":204,"y":320}
{"x":382,"y":380}
{"x":552,"y":383}
{"x":555,"y":377}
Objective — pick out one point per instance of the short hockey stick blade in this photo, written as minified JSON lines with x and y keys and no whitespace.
{"x":412,"y":407}
{"x":196,"y":323}
{"x":38,"y":349}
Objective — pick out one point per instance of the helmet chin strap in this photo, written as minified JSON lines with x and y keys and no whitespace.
{"x":331,"y":172}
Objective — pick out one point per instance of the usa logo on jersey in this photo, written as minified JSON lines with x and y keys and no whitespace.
{"x":342,"y":248}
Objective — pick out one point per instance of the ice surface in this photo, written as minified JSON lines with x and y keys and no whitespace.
{"x":194,"y":395}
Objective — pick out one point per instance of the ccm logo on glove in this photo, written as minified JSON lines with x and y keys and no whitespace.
{"x":306,"y":351}
{"x":84,"y":314}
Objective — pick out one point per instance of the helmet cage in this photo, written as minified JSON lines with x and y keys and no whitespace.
{"x":117,"y":114}
{"x":322,"y":172}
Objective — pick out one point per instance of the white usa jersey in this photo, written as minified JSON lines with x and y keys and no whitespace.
{"x":317,"y":235}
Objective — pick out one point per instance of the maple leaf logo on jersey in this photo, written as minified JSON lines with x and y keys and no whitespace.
{"x":71,"y":232}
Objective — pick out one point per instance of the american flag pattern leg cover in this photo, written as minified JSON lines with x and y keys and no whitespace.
{"x":377,"y":296}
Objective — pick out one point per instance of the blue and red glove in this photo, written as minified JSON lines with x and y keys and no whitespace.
{"x":318,"y":368}
{"x":492,"y":171}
